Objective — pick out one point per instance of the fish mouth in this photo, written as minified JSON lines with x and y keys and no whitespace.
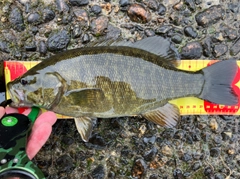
{"x":17,"y":96}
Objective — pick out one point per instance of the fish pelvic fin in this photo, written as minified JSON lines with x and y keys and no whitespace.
{"x":166,"y":116}
{"x":218,"y":83}
{"x":84,"y":126}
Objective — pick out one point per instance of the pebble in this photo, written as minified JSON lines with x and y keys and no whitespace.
{"x":58,"y":41}
{"x":98,"y":172}
{"x":67,"y":140}
{"x":34,"y":30}
{"x":163,"y":29}
{"x":107,"y":8}
{"x":16,"y":19}
{"x":217,"y":139}
{"x":62,"y":6}
{"x":176,"y":19}
{"x":33,"y":18}
{"x":24,"y":2}
{"x":127,"y":26}
{"x":219,"y":50}
{"x":166,"y":150}
{"x":126,"y":152}
{"x":65,"y":163}
{"x":215,"y":152}
{"x":177,"y":38}
{"x":191,"y":4}
{"x":161,"y":9}
{"x":187,"y":174}
{"x":196,"y":137}
{"x":209,"y":16}
{"x":219,"y":176}
{"x":178,"y":174}
{"x":66,"y":19}
{"x":153,"y":176}
{"x":139,"y":168}
{"x":76,"y":32}
{"x":235,"y":49}
{"x":111,"y":175}
{"x":4,"y":47}
{"x":96,"y":9}
{"x":231,"y":151}
{"x":99,"y":25}
{"x":179,"y":134}
{"x":218,"y":37}
{"x":209,"y":173}
{"x":81,"y":16}
{"x":233,"y":7}
{"x":30,"y":45}
{"x":149,"y":32}
{"x":168,"y":133}
{"x":149,"y":140}
{"x":190,"y":32}
{"x":226,"y":135}
{"x":151,"y":154}
{"x":193,"y":50}
{"x":42,"y":48}
{"x":180,"y":6}
{"x":207,"y":46}
{"x":152,"y":4}
{"x":206,"y":136}
{"x":138,"y":13}
{"x":213,"y":124}
{"x":139,"y":28}
{"x":196,"y":165}
{"x":189,"y":139}
{"x":85,"y":38}
{"x":186,"y":157}
{"x":79,"y":2}
{"x":113,"y":32}
{"x":124,"y":3}
{"x":97,"y":142}
{"x":197,"y":155}
{"x":48,"y":15}
{"x":17,"y":54}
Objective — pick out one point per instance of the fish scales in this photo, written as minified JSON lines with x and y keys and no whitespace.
{"x":133,"y":78}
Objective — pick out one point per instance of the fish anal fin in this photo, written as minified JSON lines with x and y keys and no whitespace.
{"x":166,"y":116}
{"x":84,"y":126}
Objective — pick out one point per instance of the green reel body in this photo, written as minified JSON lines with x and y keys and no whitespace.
{"x":14,"y":162}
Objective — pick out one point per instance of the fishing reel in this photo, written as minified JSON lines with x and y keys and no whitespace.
{"x":14,"y":162}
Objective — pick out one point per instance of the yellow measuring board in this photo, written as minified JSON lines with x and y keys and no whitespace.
{"x":187,"y":105}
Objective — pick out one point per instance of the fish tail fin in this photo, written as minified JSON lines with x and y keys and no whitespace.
{"x":218,"y":83}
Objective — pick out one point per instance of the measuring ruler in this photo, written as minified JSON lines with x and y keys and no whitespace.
{"x":186,"y":105}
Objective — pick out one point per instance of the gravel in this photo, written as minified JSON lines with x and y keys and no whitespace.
{"x":205,"y":147}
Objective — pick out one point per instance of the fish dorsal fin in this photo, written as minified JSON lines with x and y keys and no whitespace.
{"x":156,"y":45}
{"x":166,"y":116}
{"x":84,"y":126}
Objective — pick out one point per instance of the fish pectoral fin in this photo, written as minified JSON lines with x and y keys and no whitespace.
{"x":84,"y":126}
{"x":87,"y":97}
{"x":166,"y":116}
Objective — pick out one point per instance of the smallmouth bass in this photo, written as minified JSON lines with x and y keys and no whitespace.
{"x":121,"y":80}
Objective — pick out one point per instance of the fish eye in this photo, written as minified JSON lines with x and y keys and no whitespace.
{"x":23,"y":82}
